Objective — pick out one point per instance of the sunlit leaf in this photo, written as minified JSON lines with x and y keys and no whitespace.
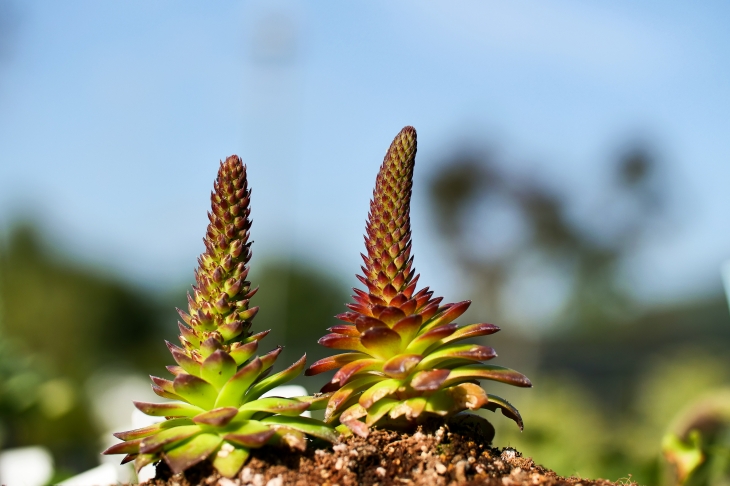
{"x":195,"y":390}
{"x":175,"y":409}
{"x":191,"y":452}
{"x":232,"y":393}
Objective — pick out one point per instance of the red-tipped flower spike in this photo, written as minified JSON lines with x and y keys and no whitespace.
{"x":218,"y":413}
{"x":407,"y":360}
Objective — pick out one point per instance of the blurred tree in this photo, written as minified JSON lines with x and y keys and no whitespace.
{"x":510,"y":233}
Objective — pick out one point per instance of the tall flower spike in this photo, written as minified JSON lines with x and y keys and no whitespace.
{"x":406,"y":360}
{"x":217,"y":412}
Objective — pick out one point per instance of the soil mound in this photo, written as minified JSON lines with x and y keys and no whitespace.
{"x":444,"y":456}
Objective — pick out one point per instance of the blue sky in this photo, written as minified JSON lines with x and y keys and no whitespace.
{"x":113,"y":116}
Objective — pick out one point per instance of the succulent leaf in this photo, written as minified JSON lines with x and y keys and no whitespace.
{"x":229,"y":459}
{"x":195,"y":390}
{"x":232,"y":393}
{"x":407,"y":360}
{"x":128,"y":447}
{"x":306,"y":425}
{"x":279,"y":378}
{"x":282,"y":406}
{"x":152,"y":429}
{"x":487,"y":372}
{"x":333,"y":362}
{"x":174,"y":409}
{"x":150,"y":445}
{"x":218,"y":417}
{"x":218,"y":368}
{"x":191,"y":452}
{"x":218,"y":379}
{"x":508,"y":410}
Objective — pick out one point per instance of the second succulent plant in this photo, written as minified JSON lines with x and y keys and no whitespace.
{"x":405,"y":360}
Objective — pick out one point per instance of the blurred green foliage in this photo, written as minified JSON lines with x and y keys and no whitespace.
{"x":571,"y":430}
{"x":68,"y":321}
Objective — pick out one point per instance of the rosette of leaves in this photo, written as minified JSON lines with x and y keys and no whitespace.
{"x":217,"y":412}
{"x":406,"y":358}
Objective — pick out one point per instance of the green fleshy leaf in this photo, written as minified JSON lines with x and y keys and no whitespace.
{"x":218,"y":417}
{"x":340,"y":341}
{"x":251,"y":433}
{"x":333,"y":362}
{"x":175,"y":409}
{"x":232,"y":393}
{"x":353,"y":412}
{"x":277,"y":379}
{"x":293,"y":439}
{"x":195,"y":390}
{"x":231,"y":330}
{"x":189,"y":335}
{"x":400,"y":366}
{"x":163,"y":384}
{"x":486,"y":372}
{"x":186,"y":362}
{"x":281,"y":406}
{"x":316,"y":402}
{"x":475,"y":352}
{"x":379,"y":409}
{"x":127,"y":447}
{"x":155,"y":443}
{"x":243,"y":352}
{"x":268,"y":360}
{"x":307,"y":425}
{"x":456,"y":399}
{"x":160,"y":392}
{"x":210,"y":346}
{"x":257,"y":337}
{"x":230,"y":459}
{"x":447,"y":316}
{"x":411,"y":408}
{"x":349,"y":370}
{"x":152,"y":429}
{"x":342,"y":396}
{"x":429,"y":380}
{"x":427,"y":339}
{"x":381,"y":342}
{"x":343,"y":430}
{"x":191,"y":452}
{"x":218,"y":368}
{"x":144,"y":459}
{"x":470,"y":331}
{"x":440,"y":403}
{"x":408,"y":328}
{"x":378,"y":391}
{"x":508,"y":410}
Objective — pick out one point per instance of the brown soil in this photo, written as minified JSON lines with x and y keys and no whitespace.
{"x":448,"y":455}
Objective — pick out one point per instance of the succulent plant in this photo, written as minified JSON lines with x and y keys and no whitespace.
{"x":217,"y":412}
{"x":406,"y":359}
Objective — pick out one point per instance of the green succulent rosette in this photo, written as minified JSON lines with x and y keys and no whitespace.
{"x":406,"y":358}
{"x":217,"y":412}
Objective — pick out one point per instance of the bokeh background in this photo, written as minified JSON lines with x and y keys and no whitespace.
{"x":572,"y":180}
